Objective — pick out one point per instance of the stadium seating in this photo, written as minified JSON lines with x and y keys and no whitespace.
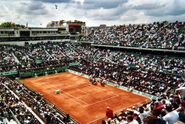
{"x":158,"y":35}
{"x":158,"y":75}
{"x":12,"y":104}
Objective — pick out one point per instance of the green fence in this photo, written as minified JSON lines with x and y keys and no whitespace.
{"x":74,"y":63}
{"x":8,"y":73}
{"x":43,"y":71}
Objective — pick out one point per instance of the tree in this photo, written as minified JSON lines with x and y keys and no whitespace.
{"x":11,"y":25}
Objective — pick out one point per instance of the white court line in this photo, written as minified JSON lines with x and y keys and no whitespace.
{"x":75,"y":98}
{"x":100,"y":118}
{"x":96,"y":120}
{"x":99,"y":102}
{"x":103,"y":100}
{"x":84,"y":91}
{"x":70,"y":86}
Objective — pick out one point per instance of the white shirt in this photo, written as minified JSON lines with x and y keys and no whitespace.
{"x":133,"y":122}
{"x":171,"y":117}
{"x":182,"y":91}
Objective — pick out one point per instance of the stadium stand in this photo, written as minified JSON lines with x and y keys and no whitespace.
{"x":152,"y":73}
{"x":42,"y":108}
{"x":158,"y":35}
{"x":12,"y":108}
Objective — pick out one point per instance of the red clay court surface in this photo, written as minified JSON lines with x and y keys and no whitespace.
{"x":85,"y":102}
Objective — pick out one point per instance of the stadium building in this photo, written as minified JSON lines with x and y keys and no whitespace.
{"x":26,"y":34}
{"x":121,"y":74}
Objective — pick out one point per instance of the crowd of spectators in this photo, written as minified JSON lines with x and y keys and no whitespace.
{"x":47,"y":112}
{"x":152,"y":74}
{"x":157,"y":75}
{"x":161,"y":35}
{"x":33,"y":56}
{"x":7,"y":60}
{"x":41,"y":55}
{"x":12,"y":107}
{"x":168,"y":109}
{"x":149,"y":73}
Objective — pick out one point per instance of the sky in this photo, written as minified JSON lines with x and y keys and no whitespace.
{"x":37,"y":13}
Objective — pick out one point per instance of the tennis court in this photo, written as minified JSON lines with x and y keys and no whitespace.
{"x":86,"y":103}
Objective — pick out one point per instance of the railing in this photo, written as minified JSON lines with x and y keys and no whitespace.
{"x":144,"y":49}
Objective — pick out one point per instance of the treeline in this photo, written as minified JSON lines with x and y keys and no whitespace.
{"x":11,"y":25}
